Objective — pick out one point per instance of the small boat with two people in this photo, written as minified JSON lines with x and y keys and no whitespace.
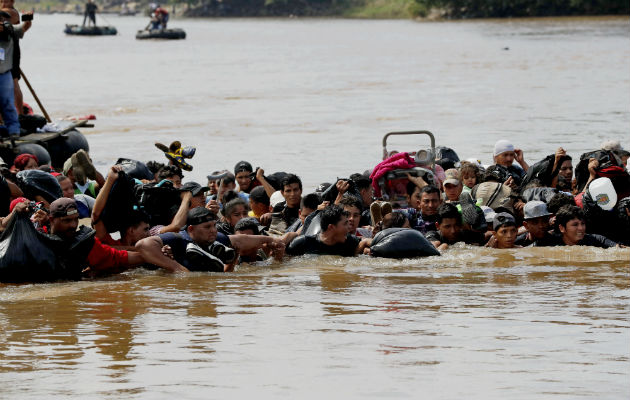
{"x":156,"y":29}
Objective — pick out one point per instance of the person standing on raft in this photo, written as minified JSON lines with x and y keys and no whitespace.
{"x":90,"y":12}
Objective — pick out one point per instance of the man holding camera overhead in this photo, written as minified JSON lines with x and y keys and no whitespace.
{"x":9,"y":36}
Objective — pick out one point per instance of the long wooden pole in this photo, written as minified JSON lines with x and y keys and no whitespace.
{"x":39,"y":103}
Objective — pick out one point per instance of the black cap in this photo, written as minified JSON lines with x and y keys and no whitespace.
{"x":243,"y":166}
{"x":194,"y":188}
{"x":5,"y":14}
{"x":502,"y":219}
{"x":199,"y":215}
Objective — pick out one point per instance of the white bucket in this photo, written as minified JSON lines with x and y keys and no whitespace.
{"x":603,"y":192}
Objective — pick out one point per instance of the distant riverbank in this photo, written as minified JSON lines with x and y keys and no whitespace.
{"x":368,"y":9}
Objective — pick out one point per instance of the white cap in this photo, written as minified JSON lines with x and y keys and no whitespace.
{"x":276,"y":198}
{"x":603,"y":193}
{"x":501,"y":146}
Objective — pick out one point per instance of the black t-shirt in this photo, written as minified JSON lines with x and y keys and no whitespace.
{"x":313,"y":245}
{"x":178,"y":243}
{"x":524,"y":240}
{"x":466,"y":236}
{"x":589,"y":240}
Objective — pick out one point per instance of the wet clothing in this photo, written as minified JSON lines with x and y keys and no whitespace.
{"x":225,"y":228}
{"x":283,"y":217}
{"x":524,"y":240}
{"x":417,"y":221}
{"x":466,"y":236}
{"x":589,"y":240}
{"x":313,"y":245}
{"x":104,"y":257}
{"x":179,"y":242}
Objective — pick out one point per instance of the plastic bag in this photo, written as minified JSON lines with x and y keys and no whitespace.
{"x":34,"y":182}
{"x":29,"y":256}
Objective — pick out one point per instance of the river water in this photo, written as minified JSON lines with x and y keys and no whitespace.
{"x":315,"y":97}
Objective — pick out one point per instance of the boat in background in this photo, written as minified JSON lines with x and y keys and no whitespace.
{"x":175,"y":33}
{"x":89,"y":30}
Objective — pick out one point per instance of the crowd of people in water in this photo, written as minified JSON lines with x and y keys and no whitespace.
{"x":149,"y":214}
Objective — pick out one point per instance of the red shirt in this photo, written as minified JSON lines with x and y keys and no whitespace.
{"x":160,"y":11}
{"x":103,"y":257}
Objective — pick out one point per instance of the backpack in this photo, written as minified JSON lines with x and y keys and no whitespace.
{"x":161,"y":201}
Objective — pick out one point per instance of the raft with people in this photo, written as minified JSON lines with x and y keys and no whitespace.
{"x":82,"y":30}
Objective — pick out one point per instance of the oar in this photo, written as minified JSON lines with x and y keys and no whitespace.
{"x":39,"y":103}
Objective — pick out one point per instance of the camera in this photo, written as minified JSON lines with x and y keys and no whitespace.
{"x":7,"y":26}
{"x":36,"y":206}
{"x":27,"y":17}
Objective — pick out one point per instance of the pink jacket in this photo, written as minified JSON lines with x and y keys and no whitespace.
{"x":397,"y":161}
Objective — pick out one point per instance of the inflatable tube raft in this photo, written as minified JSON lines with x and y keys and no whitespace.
{"x":89,"y":30}
{"x":161,"y":34}
{"x":401,"y":243}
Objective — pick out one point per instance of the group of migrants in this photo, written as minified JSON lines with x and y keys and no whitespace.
{"x":76,"y":222}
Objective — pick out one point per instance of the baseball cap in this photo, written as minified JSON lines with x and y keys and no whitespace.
{"x":502,"y":219}
{"x":452,"y":177}
{"x":242,"y":166}
{"x":17,"y":201}
{"x":63,"y":207}
{"x":194,"y":188}
{"x":535,"y":209}
{"x":199,"y":215}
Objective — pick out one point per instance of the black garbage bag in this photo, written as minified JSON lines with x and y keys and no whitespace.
{"x":161,"y":201}
{"x":135,"y":169}
{"x":401,"y":243}
{"x":34,"y":182}
{"x":29,"y":256}
{"x":120,"y":203}
{"x":312,"y":224}
{"x":446,"y":157}
{"x":330,"y":194}
{"x":275,"y":179}
{"x":541,"y":171}
{"x":30,"y":123}
{"x":539,"y":193}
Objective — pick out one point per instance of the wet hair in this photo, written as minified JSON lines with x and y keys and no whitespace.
{"x":361,"y":181}
{"x":311,"y":201}
{"x":229,"y":196}
{"x":169,"y":171}
{"x":448,"y":210}
{"x":155,"y":166}
{"x":559,"y":200}
{"x":350,"y":201}
{"x":247,"y":223}
{"x":331,"y":215}
{"x":397,"y":220}
{"x":135,"y":218}
{"x":229,"y":179}
{"x":259,"y":195}
{"x":290,"y":179}
{"x":567,"y":213}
